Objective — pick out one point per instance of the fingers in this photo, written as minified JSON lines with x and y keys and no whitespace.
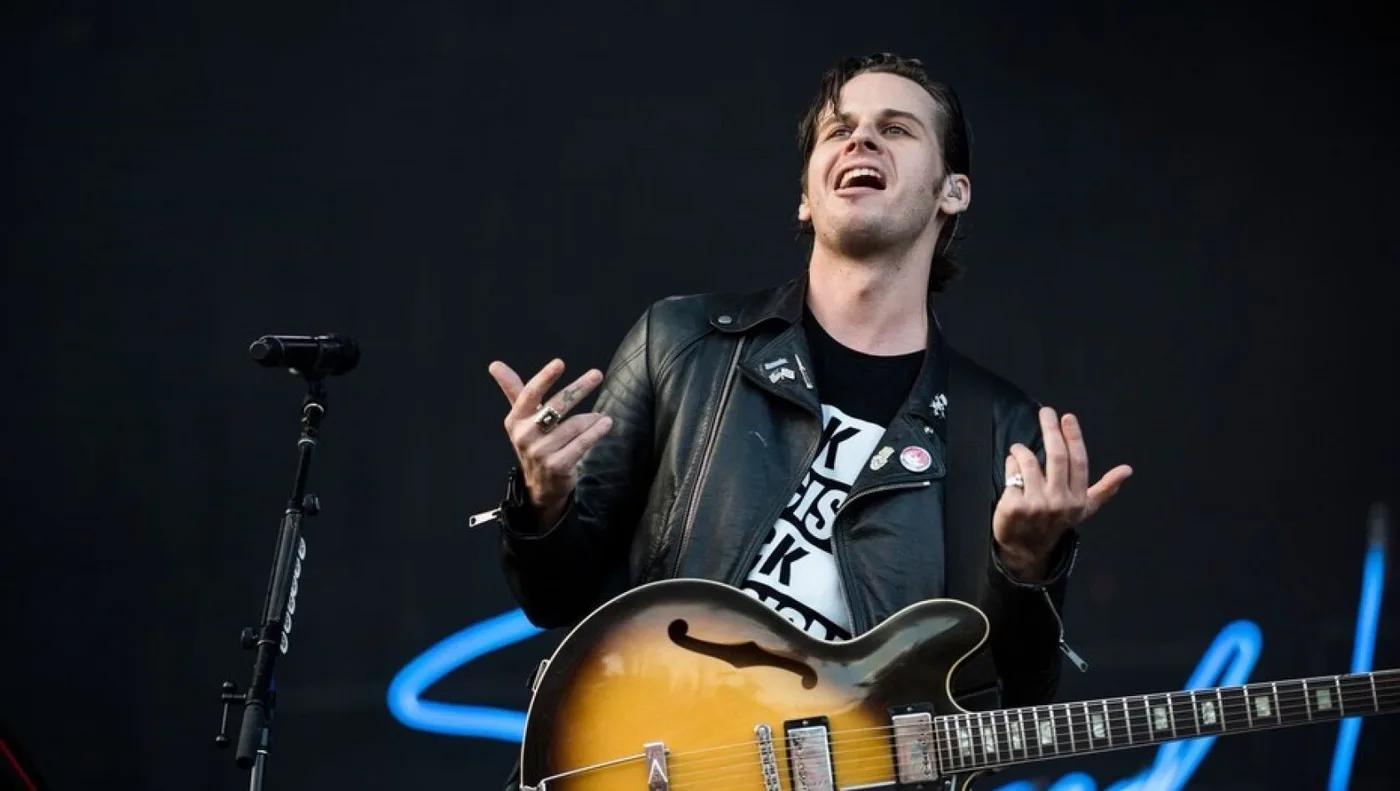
{"x":576,"y":392}
{"x":589,"y":432}
{"x":507,"y":379}
{"x":1078,"y":455}
{"x":540,"y":445}
{"x":1056,"y":454}
{"x":1029,"y":467}
{"x":1108,"y":486}
{"x":528,"y":401}
{"x":1012,"y":468}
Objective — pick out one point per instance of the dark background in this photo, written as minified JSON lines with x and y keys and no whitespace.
{"x":1180,"y":230}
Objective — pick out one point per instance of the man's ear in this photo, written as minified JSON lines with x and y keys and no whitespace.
{"x":804,"y":213}
{"x":957,"y":194}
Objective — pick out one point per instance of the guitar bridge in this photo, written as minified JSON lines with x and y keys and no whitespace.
{"x":767,"y":759}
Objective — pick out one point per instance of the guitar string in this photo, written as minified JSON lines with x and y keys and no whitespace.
{"x":853,"y":756}
{"x":1053,"y":712}
{"x":845,"y":748}
{"x":745,"y":772}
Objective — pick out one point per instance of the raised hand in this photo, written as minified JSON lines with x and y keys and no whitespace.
{"x":1036,"y":508}
{"x":549,"y":443}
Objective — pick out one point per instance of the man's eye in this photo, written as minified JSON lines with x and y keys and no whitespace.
{"x":838,"y":132}
{"x":897,"y":128}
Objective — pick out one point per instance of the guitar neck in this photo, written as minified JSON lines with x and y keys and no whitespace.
{"x":992,"y":739}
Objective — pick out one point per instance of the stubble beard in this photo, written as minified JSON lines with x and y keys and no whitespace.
{"x":869,"y":234}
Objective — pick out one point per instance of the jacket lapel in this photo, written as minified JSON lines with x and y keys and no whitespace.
{"x":912,"y":448}
{"x":782,"y":367}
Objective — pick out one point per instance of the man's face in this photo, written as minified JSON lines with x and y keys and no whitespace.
{"x":875,"y":178}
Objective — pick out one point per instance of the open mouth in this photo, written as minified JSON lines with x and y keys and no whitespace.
{"x":867,"y":178}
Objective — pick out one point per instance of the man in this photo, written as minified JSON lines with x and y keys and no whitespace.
{"x":792,"y":442}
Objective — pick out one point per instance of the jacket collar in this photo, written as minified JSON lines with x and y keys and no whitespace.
{"x":785,"y":305}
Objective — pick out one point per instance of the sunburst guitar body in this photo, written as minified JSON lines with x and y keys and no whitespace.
{"x":690,"y":685}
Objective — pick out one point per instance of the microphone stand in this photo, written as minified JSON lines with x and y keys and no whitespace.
{"x":270,"y":639}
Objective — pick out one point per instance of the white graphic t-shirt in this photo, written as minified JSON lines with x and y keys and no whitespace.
{"x":796,"y":571}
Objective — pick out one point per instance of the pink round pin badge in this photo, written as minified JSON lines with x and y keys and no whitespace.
{"x":915,"y":459}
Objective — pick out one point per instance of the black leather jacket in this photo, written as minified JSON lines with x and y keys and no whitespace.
{"x":704,"y":452}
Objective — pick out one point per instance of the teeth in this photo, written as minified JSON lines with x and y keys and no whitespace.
{"x":850,"y":174}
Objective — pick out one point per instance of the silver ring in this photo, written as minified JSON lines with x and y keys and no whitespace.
{"x":547,"y":418}
{"x":1017,"y":480}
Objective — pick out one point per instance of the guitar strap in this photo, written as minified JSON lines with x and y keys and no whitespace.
{"x":969,"y":495}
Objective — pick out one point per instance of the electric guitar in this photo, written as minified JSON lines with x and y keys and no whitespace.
{"x":689,"y":685}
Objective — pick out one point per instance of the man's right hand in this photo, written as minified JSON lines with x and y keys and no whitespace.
{"x":549,"y":457}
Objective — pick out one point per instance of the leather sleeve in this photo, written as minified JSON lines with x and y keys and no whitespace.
{"x":1027,"y":634}
{"x":559,"y":573}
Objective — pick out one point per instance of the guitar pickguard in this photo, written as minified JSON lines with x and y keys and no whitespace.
{"x":741,"y":655}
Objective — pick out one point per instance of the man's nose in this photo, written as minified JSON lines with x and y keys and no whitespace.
{"x":862,"y":139}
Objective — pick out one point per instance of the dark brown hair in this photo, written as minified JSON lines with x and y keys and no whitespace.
{"x":953,"y":137}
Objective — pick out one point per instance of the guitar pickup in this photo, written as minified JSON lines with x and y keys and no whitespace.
{"x":809,"y":754}
{"x":915,"y":748}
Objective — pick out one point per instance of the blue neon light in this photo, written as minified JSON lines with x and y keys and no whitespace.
{"x":405,"y":697}
{"x":1368,"y":618}
{"x":1227,"y":662}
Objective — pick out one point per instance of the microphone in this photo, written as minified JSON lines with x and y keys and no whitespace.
{"x":307,"y":354}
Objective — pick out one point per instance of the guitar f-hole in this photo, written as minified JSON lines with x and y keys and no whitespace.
{"x":742,"y":655}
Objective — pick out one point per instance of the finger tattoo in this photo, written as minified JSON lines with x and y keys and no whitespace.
{"x":570,"y":394}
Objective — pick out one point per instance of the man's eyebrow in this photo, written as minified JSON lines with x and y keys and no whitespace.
{"x":884,"y":115}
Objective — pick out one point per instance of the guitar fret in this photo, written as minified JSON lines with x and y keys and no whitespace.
{"x":1035,"y":735}
{"x":1180,"y":705}
{"x":1050,"y":730}
{"x":1262,"y":706}
{"x":1145,"y":723}
{"x":971,"y":741}
{"x":974,"y":740}
{"x":964,"y":741}
{"x":947,"y":742}
{"x":1159,"y":715}
{"x":1208,"y":713}
{"x":988,"y":738}
{"x":1323,"y":701}
{"x":1027,"y":733}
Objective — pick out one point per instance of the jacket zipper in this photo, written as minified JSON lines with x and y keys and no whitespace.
{"x":1064,"y":646}
{"x":750,"y":553}
{"x":1044,"y":592}
{"x":858,"y":619}
{"x":705,"y":459}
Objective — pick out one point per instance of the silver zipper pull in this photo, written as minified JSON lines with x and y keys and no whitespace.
{"x":484,"y":517}
{"x":1064,"y":646}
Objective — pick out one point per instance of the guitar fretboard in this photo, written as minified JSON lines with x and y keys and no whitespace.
{"x":984,"y":740}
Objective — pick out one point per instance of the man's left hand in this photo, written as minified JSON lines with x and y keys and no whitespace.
{"x":1031,"y":518}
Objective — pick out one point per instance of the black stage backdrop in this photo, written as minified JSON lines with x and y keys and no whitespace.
{"x":1180,"y":230}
